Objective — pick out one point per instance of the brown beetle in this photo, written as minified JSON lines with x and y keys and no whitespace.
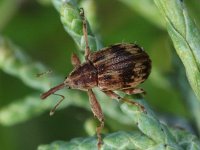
{"x":118,"y":67}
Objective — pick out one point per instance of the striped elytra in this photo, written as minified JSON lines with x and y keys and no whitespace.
{"x":119,"y":66}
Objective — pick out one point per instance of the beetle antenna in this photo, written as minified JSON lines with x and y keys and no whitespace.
{"x":57,"y":104}
{"x":43,"y":73}
{"x":52,"y":90}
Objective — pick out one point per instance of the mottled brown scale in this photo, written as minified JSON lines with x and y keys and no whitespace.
{"x":83,"y":77}
{"x":118,"y":67}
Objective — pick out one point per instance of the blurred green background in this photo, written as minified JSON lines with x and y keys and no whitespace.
{"x":35,"y":27}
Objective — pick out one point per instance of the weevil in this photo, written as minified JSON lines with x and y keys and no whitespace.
{"x":120,"y":67}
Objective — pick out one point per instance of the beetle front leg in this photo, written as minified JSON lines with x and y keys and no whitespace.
{"x":113,"y":95}
{"x":134,"y":91}
{"x":96,"y":109}
{"x":85,"y":33}
{"x":75,"y":60}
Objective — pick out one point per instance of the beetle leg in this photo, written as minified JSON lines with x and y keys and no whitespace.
{"x":85,"y":33}
{"x":113,"y":95}
{"x":96,"y":109}
{"x":75,"y":60}
{"x":134,"y":91}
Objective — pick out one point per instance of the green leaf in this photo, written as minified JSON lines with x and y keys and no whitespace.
{"x":150,"y":125}
{"x":185,"y":36}
{"x":119,"y":140}
{"x":22,"y":110}
{"x":180,"y":81}
{"x":127,"y":140}
{"x":186,"y":140}
{"x":153,"y":135}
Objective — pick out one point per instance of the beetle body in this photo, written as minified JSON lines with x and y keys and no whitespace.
{"x":120,"y":66}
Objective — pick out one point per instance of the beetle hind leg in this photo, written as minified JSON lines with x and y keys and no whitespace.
{"x":131,"y":91}
{"x":98,"y":130}
{"x":96,"y":109}
{"x":113,"y":95}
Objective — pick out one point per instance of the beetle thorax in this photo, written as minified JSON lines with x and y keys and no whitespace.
{"x":82,"y":77}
